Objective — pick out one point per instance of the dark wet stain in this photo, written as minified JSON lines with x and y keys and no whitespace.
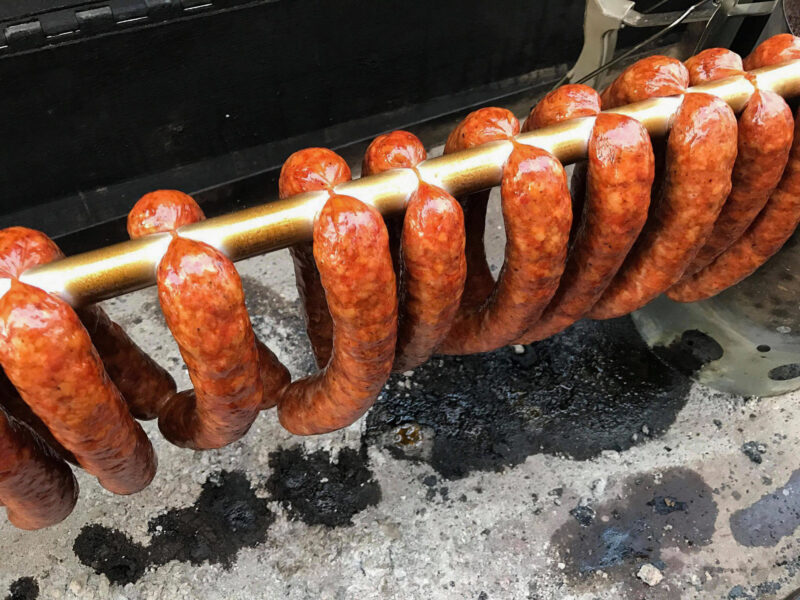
{"x":634,"y":530}
{"x":754,"y":451}
{"x":318,"y":491}
{"x":491,"y":411}
{"x":226,"y":517}
{"x":690,"y":352}
{"x":771,"y":518}
{"x":24,"y":588}
{"x":784,"y":372}
{"x":267,"y":309}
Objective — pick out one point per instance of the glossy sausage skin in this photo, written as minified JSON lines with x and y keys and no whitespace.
{"x":537,"y":214}
{"x":620,"y":175}
{"x":649,"y":77}
{"x":351,"y":248}
{"x":562,"y":104}
{"x":765,"y":132}
{"x":37,"y":489}
{"x":15,"y":407}
{"x":765,"y":236}
{"x":713,"y":64}
{"x":777,"y":49}
{"x":479,"y":127}
{"x":701,"y":150}
{"x":163,"y":211}
{"x":203,"y":303}
{"x":433,"y":267}
{"x":143,"y":383}
{"x":48,"y":356}
{"x":310,"y":170}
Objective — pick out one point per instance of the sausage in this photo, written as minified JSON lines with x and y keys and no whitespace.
{"x":351,"y":250}
{"x":713,"y":64}
{"x":479,"y":127}
{"x":48,"y":356}
{"x":15,"y":407}
{"x":143,"y":383}
{"x":37,"y":489}
{"x":537,"y":214}
{"x":773,"y":51}
{"x":310,"y":170}
{"x":203,"y":303}
{"x":646,"y":78}
{"x":433,"y":263}
{"x":777,"y":220}
{"x":765,"y":131}
{"x":562,"y":104}
{"x":701,"y":149}
{"x":620,"y":175}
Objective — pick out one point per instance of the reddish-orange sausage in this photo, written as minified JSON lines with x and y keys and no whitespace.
{"x":701,"y":149}
{"x":203,"y":303}
{"x":647,"y":78}
{"x":37,"y":489}
{"x":310,"y":170}
{"x":620,"y":176}
{"x":773,"y":225}
{"x":777,"y":49}
{"x":433,"y":264}
{"x":17,"y":410}
{"x":351,"y":249}
{"x":165,"y":210}
{"x":143,"y":383}
{"x":48,"y":356}
{"x":479,"y":127}
{"x":562,"y":104}
{"x":764,"y":140}
{"x":537,"y":214}
{"x":713,"y":64}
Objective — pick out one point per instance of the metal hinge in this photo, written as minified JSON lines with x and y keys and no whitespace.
{"x":91,"y":18}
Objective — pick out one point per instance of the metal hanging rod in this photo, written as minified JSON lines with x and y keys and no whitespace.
{"x":128,"y":266}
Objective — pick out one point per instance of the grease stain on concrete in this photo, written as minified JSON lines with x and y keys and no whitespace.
{"x":671,"y":509}
{"x":24,"y":588}
{"x":491,"y":411}
{"x":226,"y":517}
{"x":317,"y":491}
{"x":770,"y":519}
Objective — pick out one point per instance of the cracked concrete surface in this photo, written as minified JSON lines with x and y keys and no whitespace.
{"x":367,"y":513}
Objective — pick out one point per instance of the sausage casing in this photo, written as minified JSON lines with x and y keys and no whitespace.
{"x":701,"y":149}
{"x":775,"y":50}
{"x":37,"y":489}
{"x":649,"y":77}
{"x":308,"y":170}
{"x":351,"y":248}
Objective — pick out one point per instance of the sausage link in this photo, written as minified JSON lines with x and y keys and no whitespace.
{"x":537,"y":214}
{"x":701,"y":149}
{"x":433,"y":267}
{"x":765,"y":236}
{"x":310,"y":170}
{"x":713,"y":64}
{"x":479,"y":127}
{"x":234,"y":375}
{"x":562,"y":104}
{"x":649,"y":77}
{"x":775,"y":50}
{"x":37,"y":489}
{"x":351,"y":248}
{"x":620,"y":175}
{"x":143,"y":383}
{"x":765,"y":133}
{"x":16,"y":409}
{"x":48,"y":356}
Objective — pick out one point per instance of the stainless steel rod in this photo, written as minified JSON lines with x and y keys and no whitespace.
{"x":128,"y":266}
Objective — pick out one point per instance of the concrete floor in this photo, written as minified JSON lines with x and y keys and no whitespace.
{"x":553,"y":471}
